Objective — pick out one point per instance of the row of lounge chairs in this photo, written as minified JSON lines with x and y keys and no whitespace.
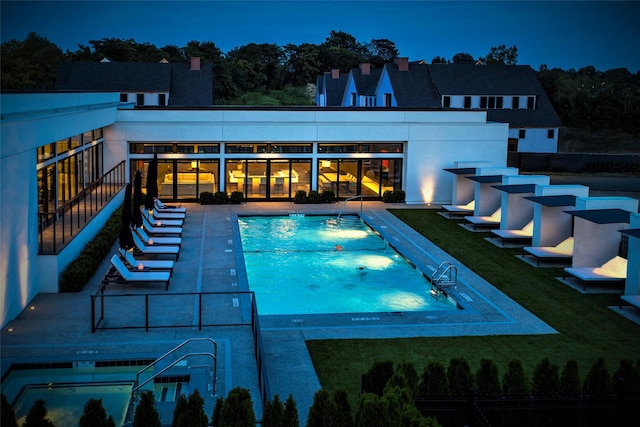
{"x":152,"y":242}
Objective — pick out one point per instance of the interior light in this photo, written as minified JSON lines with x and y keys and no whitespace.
{"x":326,"y":163}
{"x":33,"y":307}
{"x":194,"y":164}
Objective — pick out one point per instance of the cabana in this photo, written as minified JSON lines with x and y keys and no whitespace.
{"x":487,"y":211}
{"x":632,"y":284}
{"x":462,"y":198}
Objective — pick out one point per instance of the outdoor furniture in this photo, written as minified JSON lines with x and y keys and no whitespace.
{"x":459,"y":210}
{"x":484,"y":221}
{"x":146,"y":264}
{"x":160,"y":229}
{"x":124,"y":275}
{"x":160,"y":221}
{"x":634,"y":300}
{"x":613,"y":271}
{"x":524,"y":234}
{"x":166,"y":208}
{"x":167,"y":215}
{"x":158,"y":241}
{"x":147,"y":250}
{"x":563,"y":251}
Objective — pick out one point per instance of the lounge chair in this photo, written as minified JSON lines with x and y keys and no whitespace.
{"x":563,"y":251}
{"x":459,"y":210}
{"x":524,"y":234}
{"x":485,"y":221}
{"x":164,"y":221}
{"x":124,"y":275}
{"x":147,"y":250}
{"x":167,"y":215}
{"x":155,"y":240}
{"x":146,"y":264}
{"x":634,"y":300}
{"x":160,"y":230}
{"x":166,"y":208}
{"x":613,"y":271}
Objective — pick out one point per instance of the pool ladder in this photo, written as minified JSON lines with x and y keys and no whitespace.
{"x":442,"y":278}
{"x":345,"y":204}
{"x":213,"y":355}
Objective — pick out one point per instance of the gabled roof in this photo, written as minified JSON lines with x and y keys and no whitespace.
{"x":513,"y":80}
{"x":413,"y":88}
{"x":185,"y":86}
{"x":335,"y":88}
{"x":366,"y":83}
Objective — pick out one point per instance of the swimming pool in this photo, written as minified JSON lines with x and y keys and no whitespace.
{"x":308,"y":264}
{"x":67,"y":389}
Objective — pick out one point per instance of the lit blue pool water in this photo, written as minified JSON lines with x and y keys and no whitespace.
{"x":321,"y":264}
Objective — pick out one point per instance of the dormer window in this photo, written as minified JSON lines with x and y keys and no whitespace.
{"x":467,"y":102}
{"x":531,"y":102}
{"x":446,"y":101}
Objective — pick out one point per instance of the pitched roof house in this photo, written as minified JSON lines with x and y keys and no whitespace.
{"x":508,"y":93}
{"x":143,"y":83}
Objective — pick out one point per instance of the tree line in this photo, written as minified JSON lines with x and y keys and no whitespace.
{"x":586,"y":98}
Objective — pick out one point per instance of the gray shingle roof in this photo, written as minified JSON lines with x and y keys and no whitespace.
{"x":366,"y":83}
{"x":335,"y":88}
{"x":185,"y":87}
{"x":414,"y":87}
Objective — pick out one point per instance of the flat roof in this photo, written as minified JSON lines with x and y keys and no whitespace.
{"x":554,"y":201}
{"x":461,"y":171}
{"x":486,"y":179}
{"x":635,"y":232}
{"x":516,"y":188}
{"x":602,"y":216}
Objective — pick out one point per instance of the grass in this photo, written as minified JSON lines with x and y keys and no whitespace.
{"x":587,"y":329}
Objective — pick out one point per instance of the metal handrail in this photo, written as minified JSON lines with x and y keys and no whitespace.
{"x":444,"y":270}
{"x":174,"y":363}
{"x":351,"y":198}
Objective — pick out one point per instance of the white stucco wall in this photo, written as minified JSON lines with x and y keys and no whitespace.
{"x":551,"y":224}
{"x":30,"y":121}
{"x":632,"y":284}
{"x":536,"y":140}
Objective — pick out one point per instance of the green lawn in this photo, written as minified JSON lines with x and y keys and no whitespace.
{"x":587,"y":328}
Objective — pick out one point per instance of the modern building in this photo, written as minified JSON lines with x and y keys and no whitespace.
{"x":65,"y":150}
{"x":507,"y":93}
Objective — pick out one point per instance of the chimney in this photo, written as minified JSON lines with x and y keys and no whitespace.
{"x":335,"y":73}
{"x":195,"y":63}
{"x":402,"y":63}
{"x":365,"y":68}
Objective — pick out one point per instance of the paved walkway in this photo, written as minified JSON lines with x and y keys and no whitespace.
{"x":58,"y":328}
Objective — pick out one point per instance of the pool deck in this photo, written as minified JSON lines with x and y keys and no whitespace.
{"x":58,"y":328}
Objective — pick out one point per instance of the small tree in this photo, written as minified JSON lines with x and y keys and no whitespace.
{"x":487,"y":381}
{"x":371,"y":411}
{"x":273,"y":414}
{"x":411,"y":375}
{"x":215,"y":418}
{"x":323,"y":412}
{"x":189,"y":412}
{"x":598,"y":380}
{"x":237,"y":409}
{"x":94,"y":415}
{"x":291,"y":413}
{"x":514,"y":381}
{"x":459,"y":376}
{"x":7,"y":414}
{"x":546,"y":378}
{"x":570,"y":378}
{"x":627,"y":373}
{"x":343,"y":414}
{"x":376,"y":378}
{"x":37,"y":416}
{"x":182,"y":406}
{"x":433,"y":381}
{"x":146,"y":414}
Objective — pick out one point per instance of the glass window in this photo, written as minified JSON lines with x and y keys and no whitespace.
{"x":467,"y":102}
{"x":483,"y":102}
{"x":446,"y":101}
{"x":97,"y":133}
{"x":551,"y":133}
{"x":300,"y":176}
{"x":63,"y":145}
{"x":208,"y":149}
{"x":521,"y":133}
{"x":76,"y":141}
{"x":123,"y":97}
{"x":492,"y":102}
{"x":531,"y":101}
{"x":184,"y":148}
{"x":87,"y":137}
{"x":235,"y":176}
{"x":499,"y":100}
{"x":515,"y":103}
{"x":387,"y":100}
{"x":337,"y":148}
{"x":162,"y":99}
{"x":245,"y":148}
{"x":382,"y":148}
{"x":291,"y":148}
{"x":140,"y":99}
{"x":353,"y":99}
{"x":46,"y":152}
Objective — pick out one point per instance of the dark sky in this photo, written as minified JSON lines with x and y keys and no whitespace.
{"x":570,"y":34}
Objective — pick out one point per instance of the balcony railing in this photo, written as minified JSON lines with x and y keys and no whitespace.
{"x":57,"y":228}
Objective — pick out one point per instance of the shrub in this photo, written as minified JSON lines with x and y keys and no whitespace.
{"x":343,"y":409}
{"x":569,"y":379}
{"x":459,"y":376}
{"x":433,"y":381}
{"x":598,"y":380}
{"x":487,"y":381}
{"x":94,"y":415}
{"x":236,"y":197}
{"x":215,"y":418}
{"x":7,"y":414}
{"x":376,"y":378}
{"x":323,"y":412}
{"x":206,"y":198}
{"x":514,"y":381}
{"x":546,"y":379}
{"x":371,"y":411}
{"x":291,"y":413}
{"x":396,"y":196}
{"x":627,"y":373}
{"x":300,"y":197}
{"x":314,"y":197}
{"x":411,"y":375}
{"x":146,"y":414}
{"x":327,"y":196}
{"x":220,"y":198}
{"x":37,"y":416}
{"x":273,"y":414}
{"x":237,"y":409}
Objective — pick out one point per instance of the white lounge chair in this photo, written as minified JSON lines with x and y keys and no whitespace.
{"x":146,"y":264}
{"x":459,"y":210}
{"x":166,"y":208}
{"x":485,"y":221}
{"x":613,"y":271}
{"x":155,"y":240}
{"x":164,"y":221}
{"x":127,"y":276}
{"x":167,"y":215}
{"x":524,"y":234}
{"x":147,"y":250}
{"x":160,"y":230}
{"x":563,"y":251}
